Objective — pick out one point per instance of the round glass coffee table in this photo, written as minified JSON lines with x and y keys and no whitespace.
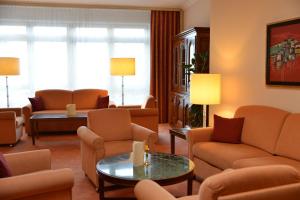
{"x":165,"y":169}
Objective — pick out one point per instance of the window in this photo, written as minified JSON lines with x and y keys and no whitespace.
{"x":74,"y":55}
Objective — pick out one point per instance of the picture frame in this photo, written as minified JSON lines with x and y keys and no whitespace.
{"x":283,"y":53}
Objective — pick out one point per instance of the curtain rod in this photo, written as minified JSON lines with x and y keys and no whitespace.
{"x":72,"y":5}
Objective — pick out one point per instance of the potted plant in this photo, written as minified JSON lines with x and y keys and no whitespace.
{"x":199,"y":64}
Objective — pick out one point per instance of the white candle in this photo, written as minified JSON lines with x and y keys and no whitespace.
{"x":138,"y":153}
{"x":71,"y":109}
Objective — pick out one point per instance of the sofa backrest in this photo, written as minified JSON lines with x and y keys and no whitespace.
{"x":288,"y":143}
{"x":87,"y":98}
{"x":112,"y":124}
{"x":262,"y":125}
{"x":55,"y":99}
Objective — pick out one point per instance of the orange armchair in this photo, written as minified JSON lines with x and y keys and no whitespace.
{"x":11,"y":123}
{"x":145,"y":115}
{"x":109,"y":132}
{"x":32,"y":178}
{"x":275,"y":182}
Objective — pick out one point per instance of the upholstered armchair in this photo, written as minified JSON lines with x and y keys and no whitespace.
{"x":11,"y":123}
{"x":109,"y":132}
{"x":146,"y":114}
{"x":32,"y":178}
{"x":276,"y":182}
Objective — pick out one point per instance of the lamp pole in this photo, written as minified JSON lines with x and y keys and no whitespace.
{"x":7,"y":95}
{"x":122,"y":90}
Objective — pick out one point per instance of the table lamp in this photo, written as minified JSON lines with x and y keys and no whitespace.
{"x":205,"y":89}
{"x":9,"y":66}
{"x":122,"y":67}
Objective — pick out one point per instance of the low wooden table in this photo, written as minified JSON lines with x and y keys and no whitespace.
{"x":165,"y":169}
{"x":54,"y":119}
{"x":178,"y":132}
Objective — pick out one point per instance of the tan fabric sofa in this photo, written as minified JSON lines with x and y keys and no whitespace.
{"x":11,"y":123}
{"x":269,"y":136}
{"x":276,"y":182}
{"x":33,"y":178}
{"x":55,"y":101}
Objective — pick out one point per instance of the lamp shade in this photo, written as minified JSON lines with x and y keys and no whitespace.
{"x":122,"y":66}
{"x":205,"y":89}
{"x":9,"y":66}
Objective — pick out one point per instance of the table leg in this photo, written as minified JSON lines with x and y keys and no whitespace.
{"x":190,"y":185}
{"x":101,"y":188}
{"x":32,"y":123}
{"x":172,"y":138}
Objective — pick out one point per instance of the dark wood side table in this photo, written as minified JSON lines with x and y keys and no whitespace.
{"x":178,"y":132}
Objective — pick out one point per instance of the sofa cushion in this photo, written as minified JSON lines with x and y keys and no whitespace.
{"x":262,"y":125}
{"x":117,"y":147}
{"x":37,"y":103}
{"x":288,"y":143}
{"x":268,"y":160}
{"x":227,"y":130}
{"x":87,"y":98}
{"x":103,"y":102}
{"x":222,"y":155}
{"x":4,"y":169}
{"x":55,"y":99}
{"x":112,"y":124}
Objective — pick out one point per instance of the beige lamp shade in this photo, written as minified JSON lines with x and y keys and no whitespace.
{"x":122,"y":66}
{"x":205,"y":89}
{"x":9,"y":66}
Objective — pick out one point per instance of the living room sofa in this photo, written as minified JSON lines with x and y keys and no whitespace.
{"x":269,"y":136}
{"x":55,"y":102}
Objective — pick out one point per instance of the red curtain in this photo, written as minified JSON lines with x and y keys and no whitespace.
{"x":164,"y":26}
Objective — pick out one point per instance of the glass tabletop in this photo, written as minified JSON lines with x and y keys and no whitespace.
{"x":162,"y":166}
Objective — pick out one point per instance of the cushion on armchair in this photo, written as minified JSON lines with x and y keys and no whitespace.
{"x":103,"y":102}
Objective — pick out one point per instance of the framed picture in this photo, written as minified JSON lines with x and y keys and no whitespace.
{"x":283,"y":53}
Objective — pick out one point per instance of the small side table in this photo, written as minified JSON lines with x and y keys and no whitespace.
{"x":178,"y":132}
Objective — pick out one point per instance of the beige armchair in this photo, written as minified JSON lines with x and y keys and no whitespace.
{"x":11,"y":123}
{"x":275,"y":182}
{"x":33,"y":178}
{"x":109,"y":132}
{"x":146,"y":114}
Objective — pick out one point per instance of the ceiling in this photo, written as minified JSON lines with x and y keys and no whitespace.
{"x":117,"y":3}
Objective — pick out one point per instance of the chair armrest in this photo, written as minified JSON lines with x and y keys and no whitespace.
{"x":18,"y":111}
{"x":27,"y":112}
{"x":130,"y":106}
{"x":198,"y":135}
{"x":29,"y":161}
{"x":8,"y":115}
{"x":112,"y":104}
{"x":149,"y":190}
{"x":18,"y":187}
{"x":290,"y":192}
{"x":141,"y":133}
{"x":90,"y":138}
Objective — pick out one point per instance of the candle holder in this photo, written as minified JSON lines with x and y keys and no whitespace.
{"x":146,"y":162}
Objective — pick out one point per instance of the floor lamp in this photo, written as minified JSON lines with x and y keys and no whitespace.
{"x":205,"y":89}
{"x":122,"y":67}
{"x":9,"y":66}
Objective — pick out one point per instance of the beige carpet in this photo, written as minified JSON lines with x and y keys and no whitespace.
{"x":65,"y":150}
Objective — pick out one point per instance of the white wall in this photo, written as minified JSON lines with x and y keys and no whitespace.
{"x":238,"y":52}
{"x":196,"y":13}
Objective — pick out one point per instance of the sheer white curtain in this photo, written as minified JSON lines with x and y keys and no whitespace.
{"x":70,"y":48}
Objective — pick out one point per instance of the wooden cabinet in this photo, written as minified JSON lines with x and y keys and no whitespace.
{"x":194,"y":40}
